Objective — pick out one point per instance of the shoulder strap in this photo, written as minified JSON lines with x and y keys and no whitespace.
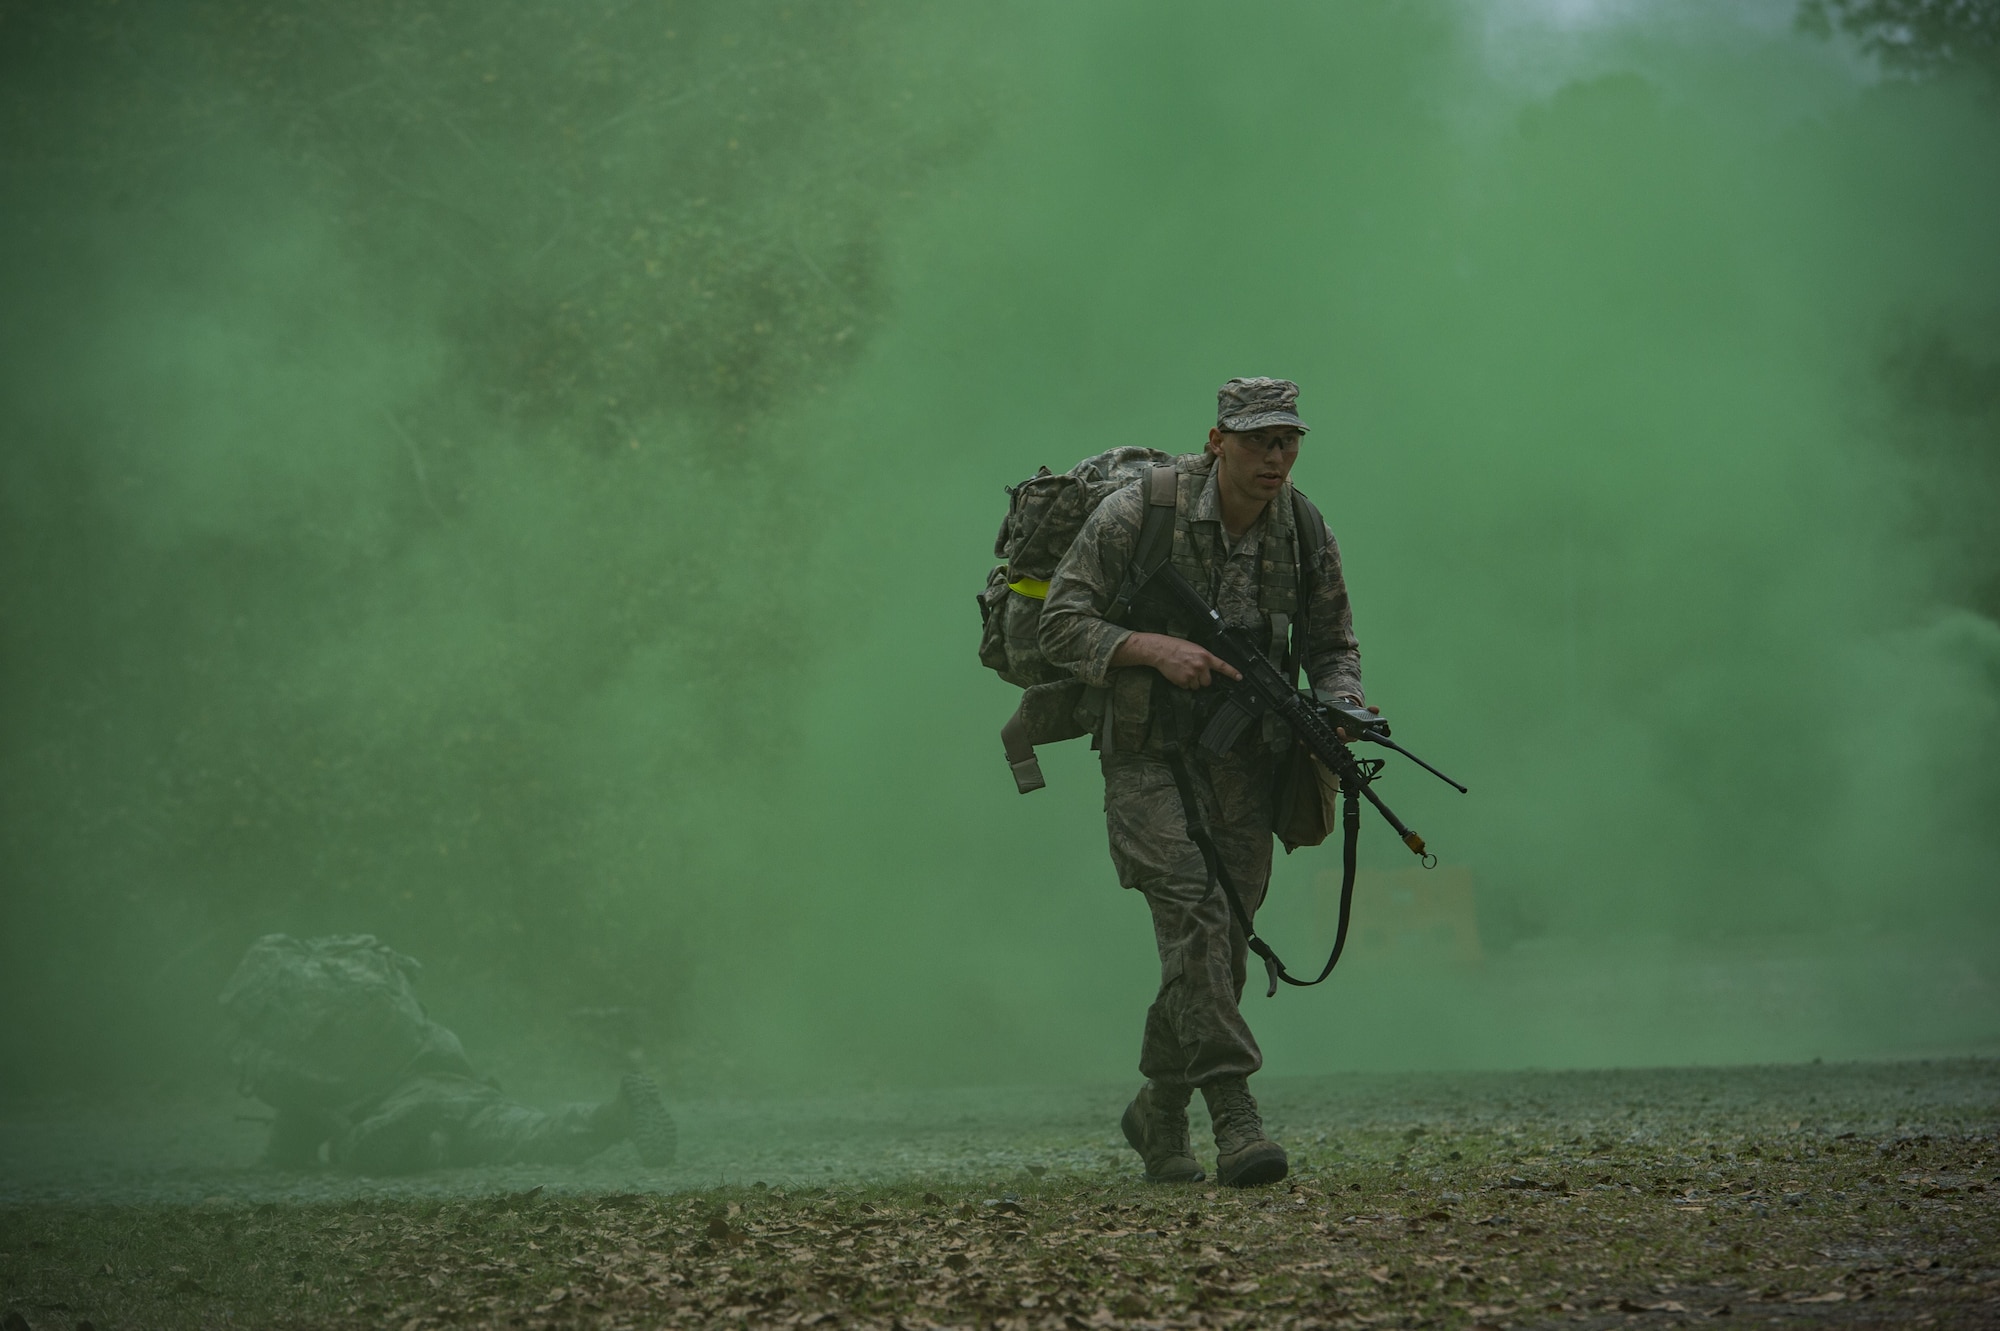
{"x":1156,"y":531}
{"x":1309,"y":531}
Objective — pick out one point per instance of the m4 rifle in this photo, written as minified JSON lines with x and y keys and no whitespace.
{"x":1325,"y":727}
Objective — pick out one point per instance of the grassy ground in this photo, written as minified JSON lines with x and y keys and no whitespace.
{"x":1856,"y":1195}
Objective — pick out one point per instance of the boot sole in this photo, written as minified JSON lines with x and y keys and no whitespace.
{"x":1254,"y":1166}
{"x":1136,"y":1139}
{"x":653,"y":1130}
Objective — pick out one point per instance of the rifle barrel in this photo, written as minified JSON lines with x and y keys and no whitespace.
{"x":1391,"y":744}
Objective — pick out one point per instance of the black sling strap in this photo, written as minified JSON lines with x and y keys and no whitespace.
{"x":1197,"y":827}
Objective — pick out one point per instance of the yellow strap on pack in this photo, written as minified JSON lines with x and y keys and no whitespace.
{"x":1035,"y":587}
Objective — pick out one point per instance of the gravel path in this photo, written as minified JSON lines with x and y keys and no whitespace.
{"x":201,"y":1149}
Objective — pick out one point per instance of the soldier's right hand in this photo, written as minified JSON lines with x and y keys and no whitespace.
{"x":1186,"y":664}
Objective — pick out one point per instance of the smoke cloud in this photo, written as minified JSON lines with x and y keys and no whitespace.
{"x":513,"y":481}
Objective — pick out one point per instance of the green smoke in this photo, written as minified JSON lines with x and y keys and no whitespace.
{"x":513,"y":479}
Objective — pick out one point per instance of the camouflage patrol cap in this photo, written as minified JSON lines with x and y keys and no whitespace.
{"x":1252,"y":404}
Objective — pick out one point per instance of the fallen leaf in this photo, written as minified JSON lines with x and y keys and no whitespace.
{"x":1664,"y":1306}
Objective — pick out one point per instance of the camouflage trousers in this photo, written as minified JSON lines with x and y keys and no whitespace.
{"x":1195,"y":1030}
{"x":431,"y":1121}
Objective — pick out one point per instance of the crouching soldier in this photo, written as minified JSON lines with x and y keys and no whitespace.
{"x":329,"y":1033}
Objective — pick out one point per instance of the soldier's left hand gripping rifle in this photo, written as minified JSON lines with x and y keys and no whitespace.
{"x":1316,"y":724}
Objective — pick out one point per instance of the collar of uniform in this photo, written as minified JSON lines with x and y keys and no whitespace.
{"x":1208,"y":505}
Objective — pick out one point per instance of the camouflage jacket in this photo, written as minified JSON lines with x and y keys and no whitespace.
{"x":1254,"y":587}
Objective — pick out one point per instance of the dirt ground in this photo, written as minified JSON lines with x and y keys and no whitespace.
{"x":1843,"y":1195}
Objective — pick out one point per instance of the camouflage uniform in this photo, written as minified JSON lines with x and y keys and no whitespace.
{"x":1195,"y":1032}
{"x":330,"y":1034}
{"x":443,"y":1119}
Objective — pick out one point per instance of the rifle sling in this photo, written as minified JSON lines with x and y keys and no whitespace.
{"x":1197,"y":827}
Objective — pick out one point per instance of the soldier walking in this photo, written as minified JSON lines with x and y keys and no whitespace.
{"x":1236,"y":538}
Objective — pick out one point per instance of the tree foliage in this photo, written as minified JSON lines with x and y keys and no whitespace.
{"x":1915,"y":37}
{"x":398,"y":532}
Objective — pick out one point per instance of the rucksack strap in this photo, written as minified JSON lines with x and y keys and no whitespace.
{"x":1156,"y":538}
{"x":1309,"y":531}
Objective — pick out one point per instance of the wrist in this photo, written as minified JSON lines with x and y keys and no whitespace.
{"x":1132,"y":650}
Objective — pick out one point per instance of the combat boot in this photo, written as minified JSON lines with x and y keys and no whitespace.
{"x":1244,"y":1156}
{"x":653,"y":1130}
{"x":638,"y":1112}
{"x":1156,"y":1124}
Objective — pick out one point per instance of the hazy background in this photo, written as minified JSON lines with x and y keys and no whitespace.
{"x":512,"y":479}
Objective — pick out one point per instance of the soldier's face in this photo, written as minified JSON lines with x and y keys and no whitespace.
{"x":1256,"y":463}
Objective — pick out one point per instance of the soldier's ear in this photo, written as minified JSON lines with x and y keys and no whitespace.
{"x":1214,"y":448}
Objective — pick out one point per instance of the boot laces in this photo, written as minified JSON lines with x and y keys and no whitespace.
{"x":1236,"y":1119}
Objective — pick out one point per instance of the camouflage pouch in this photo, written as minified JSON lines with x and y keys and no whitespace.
{"x":993,"y":622}
{"x":1305,"y":806}
{"x":1010,"y":629}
